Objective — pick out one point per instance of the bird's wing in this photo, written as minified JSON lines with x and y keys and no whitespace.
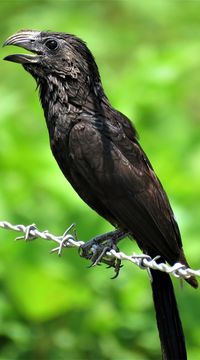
{"x":120,"y":176}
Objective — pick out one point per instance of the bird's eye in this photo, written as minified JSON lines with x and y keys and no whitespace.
{"x":51,"y":44}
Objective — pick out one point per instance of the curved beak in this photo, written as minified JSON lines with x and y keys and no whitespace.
{"x":26,"y":39}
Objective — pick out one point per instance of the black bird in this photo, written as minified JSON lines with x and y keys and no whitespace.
{"x":97,"y":149}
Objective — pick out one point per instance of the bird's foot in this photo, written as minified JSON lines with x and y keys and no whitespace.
{"x":97,"y":248}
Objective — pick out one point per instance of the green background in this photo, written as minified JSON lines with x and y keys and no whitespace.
{"x":148,"y":53}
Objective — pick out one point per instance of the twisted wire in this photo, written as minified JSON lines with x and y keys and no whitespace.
{"x":68,"y":240}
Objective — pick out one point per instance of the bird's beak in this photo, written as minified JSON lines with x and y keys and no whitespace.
{"x":26,"y":39}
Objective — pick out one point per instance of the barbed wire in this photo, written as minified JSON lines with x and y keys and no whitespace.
{"x":68,"y":240}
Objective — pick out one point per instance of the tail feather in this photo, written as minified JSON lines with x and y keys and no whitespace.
{"x":168,"y":320}
{"x":191,"y":280}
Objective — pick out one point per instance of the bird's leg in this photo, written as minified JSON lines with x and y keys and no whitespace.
{"x":108,"y":239}
{"x":96,"y":249}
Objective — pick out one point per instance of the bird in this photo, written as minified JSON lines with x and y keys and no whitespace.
{"x":98,"y":151}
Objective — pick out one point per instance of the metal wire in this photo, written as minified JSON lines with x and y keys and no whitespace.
{"x":69,"y":241}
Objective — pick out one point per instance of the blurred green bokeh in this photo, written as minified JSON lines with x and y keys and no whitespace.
{"x":148,"y":53}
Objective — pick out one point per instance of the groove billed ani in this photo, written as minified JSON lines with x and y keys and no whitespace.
{"x":97,"y":149}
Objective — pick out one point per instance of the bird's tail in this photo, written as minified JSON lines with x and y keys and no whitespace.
{"x":168,"y":320}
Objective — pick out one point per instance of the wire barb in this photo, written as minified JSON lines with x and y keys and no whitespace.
{"x":144,"y":262}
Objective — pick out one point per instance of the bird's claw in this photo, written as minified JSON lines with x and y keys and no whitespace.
{"x":117,"y":266}
{"x":96,"y":252}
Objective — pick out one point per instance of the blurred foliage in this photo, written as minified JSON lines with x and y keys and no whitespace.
{"x":52,"y":308}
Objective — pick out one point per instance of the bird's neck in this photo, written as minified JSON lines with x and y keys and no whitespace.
{"x":65,"y":101}
{"x":61,"y":101}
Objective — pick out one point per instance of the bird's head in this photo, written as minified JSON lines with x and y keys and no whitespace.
{"x":53,"y":54}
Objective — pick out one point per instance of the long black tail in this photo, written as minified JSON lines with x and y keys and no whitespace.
{"x":168,"y":320}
